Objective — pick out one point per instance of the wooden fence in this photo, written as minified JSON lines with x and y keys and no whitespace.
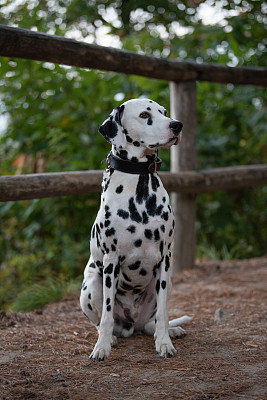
{"x":183,"y":181}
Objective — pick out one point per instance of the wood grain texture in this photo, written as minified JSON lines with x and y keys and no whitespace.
{"x":37,"y":186}
{"x":184,"y":158}
{"x":23,"y":43}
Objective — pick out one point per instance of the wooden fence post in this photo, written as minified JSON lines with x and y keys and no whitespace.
{"x":183,"y":158}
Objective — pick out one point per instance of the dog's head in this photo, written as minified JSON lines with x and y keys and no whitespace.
{"x":141,"y":122}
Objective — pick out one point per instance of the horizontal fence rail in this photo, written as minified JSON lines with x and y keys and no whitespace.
{"x":23,"y":43}
{"x":37,"y":186}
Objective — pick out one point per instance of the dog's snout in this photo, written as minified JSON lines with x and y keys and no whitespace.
{"x":176,"y":126}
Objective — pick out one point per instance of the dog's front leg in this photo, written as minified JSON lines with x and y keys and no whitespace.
{"x":102,"y":348}
{"x":164,"y":346}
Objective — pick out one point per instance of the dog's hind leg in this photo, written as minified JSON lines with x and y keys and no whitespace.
{"x":175,"y":330}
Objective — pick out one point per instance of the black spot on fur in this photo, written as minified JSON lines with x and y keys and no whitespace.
{"x":108,"y":269}
{"x":117,"y":271}
{"x":149,"y":121}
{"x":138,"y":243}
{"x":110,"y":232}
{"x":107,"y":223}
{"x":108,"y":282}
{"x":109,"y":129}
{"x":161,"y":246}
{"x":154,"y":182}
{"x":89,"y":306}
{"x":108,"y":301}
{"x":105,"y":248}
{"x":156,"y":235}
{"x":167,"y":263}
{"x":92,"y":265}
{"x":121,"y":292}
{"x":136,"y":144}
{"x":165,"y":216}
{"x":163,"y":284}
{"x":123,"y":214}
{"x":145,"y":217}
{"x":137,"y":290}
{"x":134,"y":214}
{"x":134,"y":266}
{"x":151,"y":205}
{"x":123,"y":154}
{"x":148,"y":234}
{"x":162,"y":228}
{"x":107,"y":213}
{"x":142,"y":188}
{"x":131,"y":228}
{"x":121,"y":259}
{"x":125,"y":286}
{"x":93,"y":232}
{"x":109,"y":307}
{"x":159,"y":209}
{"x":143,"y":272}
{"x":98,"y":229}
{"x":157,"y":286}
{"x":126,"y":277}
{"x":119,"y":189}
{"x":129,"y":139}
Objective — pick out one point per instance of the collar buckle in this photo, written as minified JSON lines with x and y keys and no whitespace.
{"x":155,"y":166}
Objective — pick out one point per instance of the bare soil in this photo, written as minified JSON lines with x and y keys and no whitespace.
{"x":45,"y":354}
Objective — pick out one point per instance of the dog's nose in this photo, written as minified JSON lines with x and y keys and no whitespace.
{"x":176,"y":126}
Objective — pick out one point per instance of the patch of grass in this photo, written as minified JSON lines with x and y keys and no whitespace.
{"x":210,"y":252}
{"x":37,"y":295}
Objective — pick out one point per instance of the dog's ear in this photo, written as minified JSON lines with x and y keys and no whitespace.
{"x":112,"y":129}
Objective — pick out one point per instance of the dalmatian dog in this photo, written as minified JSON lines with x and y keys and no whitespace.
{"x":127,"y":278}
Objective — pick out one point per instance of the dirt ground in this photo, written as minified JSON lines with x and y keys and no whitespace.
{"x":44,"y":354}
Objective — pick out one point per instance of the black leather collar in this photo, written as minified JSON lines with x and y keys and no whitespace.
{"x":131,"y":167}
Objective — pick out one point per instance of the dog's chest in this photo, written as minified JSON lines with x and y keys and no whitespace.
{"x":135,"y":223}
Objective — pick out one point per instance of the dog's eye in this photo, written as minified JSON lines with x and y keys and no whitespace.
{"x":165,"y":112}
{"x":144,"y":115}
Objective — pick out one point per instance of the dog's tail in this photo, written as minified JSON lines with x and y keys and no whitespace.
{"x":179,"y":321}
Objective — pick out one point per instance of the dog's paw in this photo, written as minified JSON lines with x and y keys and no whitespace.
{"x":100,"y":352}
{"x":165,"y":349}
{"x":114,"y":341}
{"x":177,"y":332}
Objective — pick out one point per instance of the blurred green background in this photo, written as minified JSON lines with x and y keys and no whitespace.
{"x":50,"y":114}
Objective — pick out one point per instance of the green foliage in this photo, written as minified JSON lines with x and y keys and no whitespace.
{"x":54,"y":113}
{"x":37,"y":295}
